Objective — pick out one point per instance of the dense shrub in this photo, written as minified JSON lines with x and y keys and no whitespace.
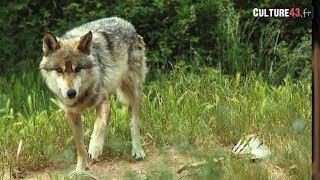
{"x":220,"y":33}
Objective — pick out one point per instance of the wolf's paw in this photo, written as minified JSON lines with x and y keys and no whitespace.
{"x":138,"y":153}
{"x":95,"y":149}
{"x":79,"y":174}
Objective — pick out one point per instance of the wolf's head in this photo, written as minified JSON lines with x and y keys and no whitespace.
{"x":67,"y":65}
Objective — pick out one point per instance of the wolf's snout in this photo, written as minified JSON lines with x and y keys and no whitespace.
{"x":71,"y":93}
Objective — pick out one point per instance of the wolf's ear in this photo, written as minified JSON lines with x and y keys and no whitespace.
{"x":50,"y":43}
{"x":85,"y":43}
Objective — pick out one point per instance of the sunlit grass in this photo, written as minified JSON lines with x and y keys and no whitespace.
{"x":202,"y":113}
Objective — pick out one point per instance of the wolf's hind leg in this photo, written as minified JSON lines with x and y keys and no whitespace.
{"x":130,"y":93}
{"x":137,"y":150}
{"x":97,"y":137}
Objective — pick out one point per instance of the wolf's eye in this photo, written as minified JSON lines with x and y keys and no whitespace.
{"x":59,"y":70}
{"x":78,"y":69}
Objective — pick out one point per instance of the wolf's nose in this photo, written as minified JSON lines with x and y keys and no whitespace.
{"x":71,"y":93}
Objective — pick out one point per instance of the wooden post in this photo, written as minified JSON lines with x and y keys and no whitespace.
{"x":316,"y":91}
{"x":316,"y":112}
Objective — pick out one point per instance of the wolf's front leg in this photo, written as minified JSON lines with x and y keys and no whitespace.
{"x":75,"y":123}
{"x":97,"y":137}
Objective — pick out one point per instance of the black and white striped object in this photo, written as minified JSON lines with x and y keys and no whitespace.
{"x":251,"y":144}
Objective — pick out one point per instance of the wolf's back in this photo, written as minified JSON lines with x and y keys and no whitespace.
{"x":113,"y":26}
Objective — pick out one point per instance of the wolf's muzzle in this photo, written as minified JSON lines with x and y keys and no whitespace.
{"x":71,"y":93}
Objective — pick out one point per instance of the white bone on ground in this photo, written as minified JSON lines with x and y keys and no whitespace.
{"x":236,"y":147}
{"x":245,"y":150}
{"x":255,"y":144}
{"x":241,"y":147}
{"x":262,"y":152}
{"x":250,"y":144}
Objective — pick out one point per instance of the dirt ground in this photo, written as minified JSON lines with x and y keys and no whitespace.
{"x":159,"y":165}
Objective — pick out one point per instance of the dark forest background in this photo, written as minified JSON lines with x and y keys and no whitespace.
{"x":192,"y":35}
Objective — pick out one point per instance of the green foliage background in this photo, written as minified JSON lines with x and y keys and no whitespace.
{"x":183,"y":33}
{"x":215,"y":72}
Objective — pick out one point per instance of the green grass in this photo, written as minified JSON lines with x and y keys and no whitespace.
{"x":202,"y":114}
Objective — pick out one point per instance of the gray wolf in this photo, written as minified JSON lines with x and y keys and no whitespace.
{"x":84,"y":66}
